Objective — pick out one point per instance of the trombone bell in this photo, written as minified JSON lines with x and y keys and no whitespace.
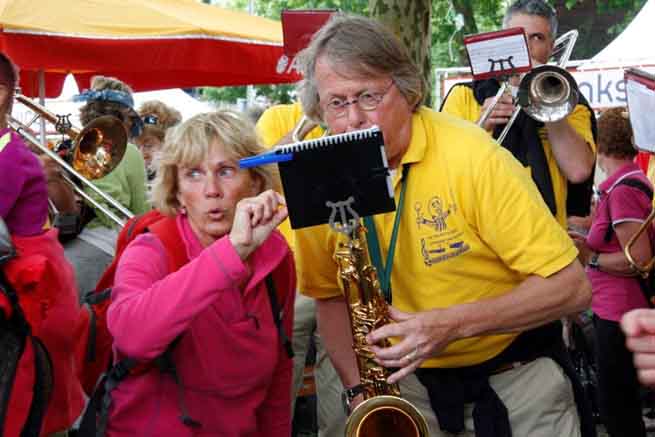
{"x":99,"y":147}
{"x":548,"y":93}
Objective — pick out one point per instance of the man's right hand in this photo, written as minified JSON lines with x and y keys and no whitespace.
{"x":500,"y":114}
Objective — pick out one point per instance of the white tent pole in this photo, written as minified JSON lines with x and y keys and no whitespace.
{"x":250,"y":90}
{"x":41,"y":77}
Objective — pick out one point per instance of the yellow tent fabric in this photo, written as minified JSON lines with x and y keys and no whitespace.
{"x":134,"y":19}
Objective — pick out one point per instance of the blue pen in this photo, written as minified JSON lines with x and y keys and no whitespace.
{"x":265,"y":158}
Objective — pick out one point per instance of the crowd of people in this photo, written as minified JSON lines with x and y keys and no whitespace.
{"x":213,"y":309}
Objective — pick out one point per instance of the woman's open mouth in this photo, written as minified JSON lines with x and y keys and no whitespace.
{"x":216,"y":214}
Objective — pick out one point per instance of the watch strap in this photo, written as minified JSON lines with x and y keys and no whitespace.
{"x":593,"y":262}
{"x":349,"y":394}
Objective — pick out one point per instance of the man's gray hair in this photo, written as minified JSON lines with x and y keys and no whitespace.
{"x":361,"y":47}
{"x":533,"y":7}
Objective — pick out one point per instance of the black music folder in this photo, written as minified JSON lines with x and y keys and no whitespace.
{"x":348,"y":170}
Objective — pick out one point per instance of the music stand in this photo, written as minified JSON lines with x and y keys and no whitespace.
{"x":640,"y":90}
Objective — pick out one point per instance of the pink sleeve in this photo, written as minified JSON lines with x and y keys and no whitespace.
{"x":628,"y":204}
{"x":276,"y":411}
{"x":151,"y":307}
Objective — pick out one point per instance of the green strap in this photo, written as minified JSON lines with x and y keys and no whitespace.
{"x":374,"y":244}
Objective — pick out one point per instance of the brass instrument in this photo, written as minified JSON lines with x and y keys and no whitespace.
{"x":383,"y":412}
{"x":97,"y":150}
{"x":295,"y":134}
{"x":548,"y":93}
{"x":643,"y":270}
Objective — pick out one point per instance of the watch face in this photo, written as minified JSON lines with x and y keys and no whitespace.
{"x":594,"y":260}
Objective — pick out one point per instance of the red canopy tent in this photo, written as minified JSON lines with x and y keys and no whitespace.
{"x":149,"y":44}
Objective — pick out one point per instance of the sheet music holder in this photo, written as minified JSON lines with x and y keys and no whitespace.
{"x":499,"y":53}
{"x":640,"y":90}
{"x":299,"y":25}
{"x":348,"y":170}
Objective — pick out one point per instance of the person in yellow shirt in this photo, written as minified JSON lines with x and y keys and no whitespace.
{"x":479,"y":261}
{"x":284,"y":124}
{"x":560,"y":155}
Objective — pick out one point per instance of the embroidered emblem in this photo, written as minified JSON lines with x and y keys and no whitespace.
{"x":446,"y":242}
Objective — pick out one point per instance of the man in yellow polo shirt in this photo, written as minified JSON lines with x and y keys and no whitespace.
{"x":277,"y":125}
{"x":479,"y":261}
{"x":559,"y":153}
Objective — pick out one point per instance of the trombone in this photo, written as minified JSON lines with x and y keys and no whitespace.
{"x":548,"y":93}
{"x":97,"y":150}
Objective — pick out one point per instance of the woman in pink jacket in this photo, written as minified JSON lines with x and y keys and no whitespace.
{"x":233,"y":373}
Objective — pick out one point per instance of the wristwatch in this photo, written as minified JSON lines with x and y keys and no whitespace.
{"x":593,"y":261}
{"x":348,"y":395}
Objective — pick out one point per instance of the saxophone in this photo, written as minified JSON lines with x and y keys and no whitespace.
{"x":383,"y":412}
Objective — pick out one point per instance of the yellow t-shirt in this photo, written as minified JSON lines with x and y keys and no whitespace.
{"x":275,"y":123}
{"x":461,"y":103}
{"x":473,"y":226}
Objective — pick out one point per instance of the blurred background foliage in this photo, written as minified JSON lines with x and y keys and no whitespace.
{"x":598,"y":21}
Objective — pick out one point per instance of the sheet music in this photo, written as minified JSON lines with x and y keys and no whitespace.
{"x":641,"y":104}
{"x":335,"y":175}
{"x":499,"y":55}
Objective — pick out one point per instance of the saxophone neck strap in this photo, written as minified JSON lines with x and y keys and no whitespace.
{"x":384,"y":271}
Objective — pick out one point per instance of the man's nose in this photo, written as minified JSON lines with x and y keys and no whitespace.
{"x":355,"y":115}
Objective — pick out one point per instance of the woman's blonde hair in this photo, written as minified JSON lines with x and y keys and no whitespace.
{"x":190,"y":143}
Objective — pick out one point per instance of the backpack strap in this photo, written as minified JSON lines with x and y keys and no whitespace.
{"x":91,"y":299}
{"x":167,"y":232}
{"x":631,"y":182}
{"x":277,"y":318}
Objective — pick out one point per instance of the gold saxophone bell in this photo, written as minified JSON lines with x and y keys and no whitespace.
{"x":383,"y":412}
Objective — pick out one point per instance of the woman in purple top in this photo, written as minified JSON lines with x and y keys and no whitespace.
{"x":23,"y":189}
{"x":622,"y":207}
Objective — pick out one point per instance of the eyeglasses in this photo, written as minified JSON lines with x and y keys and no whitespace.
{"x":366,"y":101}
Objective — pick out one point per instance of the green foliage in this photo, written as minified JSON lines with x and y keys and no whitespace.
{"x":602,"y":20}
{"x":447,"y":35}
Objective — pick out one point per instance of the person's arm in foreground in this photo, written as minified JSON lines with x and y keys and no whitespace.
{"x":639,"y":329}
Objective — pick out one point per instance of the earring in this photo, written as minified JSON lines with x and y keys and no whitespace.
{"x":183,"y":210}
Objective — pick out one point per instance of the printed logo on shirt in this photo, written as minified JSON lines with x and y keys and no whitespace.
{"x":444,"y":240}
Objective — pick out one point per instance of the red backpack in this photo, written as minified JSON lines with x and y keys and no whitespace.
{"x":94,"y":349}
